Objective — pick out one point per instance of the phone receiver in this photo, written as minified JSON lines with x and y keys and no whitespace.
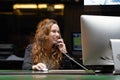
{"x":57,"y":44}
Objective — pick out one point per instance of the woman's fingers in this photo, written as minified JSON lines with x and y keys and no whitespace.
{"x":39,"y":66}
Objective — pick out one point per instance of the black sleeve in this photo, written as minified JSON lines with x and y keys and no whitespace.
{"x":66,"y":62}
{"x":27,"y":64}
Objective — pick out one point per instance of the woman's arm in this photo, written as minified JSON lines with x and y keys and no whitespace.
{"x":27,"y":64}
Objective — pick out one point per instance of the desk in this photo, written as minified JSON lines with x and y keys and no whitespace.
{"x":30,"y":75}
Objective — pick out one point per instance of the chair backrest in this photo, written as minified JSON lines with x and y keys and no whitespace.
{"x":6,"y":50}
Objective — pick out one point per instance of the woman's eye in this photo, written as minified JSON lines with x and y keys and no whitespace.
{"x":53,"y":31}
{"x":58,"y":31}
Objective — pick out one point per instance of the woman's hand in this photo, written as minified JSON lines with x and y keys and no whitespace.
{"x":61,"y":46}
{"x":39,"y":66}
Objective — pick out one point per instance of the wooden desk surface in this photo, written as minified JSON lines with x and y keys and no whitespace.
{"x":53,"y":75}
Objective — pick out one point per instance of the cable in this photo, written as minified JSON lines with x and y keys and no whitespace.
{"x":75,"y":61}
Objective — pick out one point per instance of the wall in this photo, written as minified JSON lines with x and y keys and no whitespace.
{"x":72,"y":22}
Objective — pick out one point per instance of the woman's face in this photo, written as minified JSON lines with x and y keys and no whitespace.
{"x":54,"y":33}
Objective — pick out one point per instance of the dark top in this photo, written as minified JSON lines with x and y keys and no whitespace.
{"x":27,"y":64}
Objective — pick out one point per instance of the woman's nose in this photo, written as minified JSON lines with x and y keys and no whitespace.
{"x":57,"y":34}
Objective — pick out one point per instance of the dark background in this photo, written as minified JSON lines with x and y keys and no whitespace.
{"x":19,"y":29}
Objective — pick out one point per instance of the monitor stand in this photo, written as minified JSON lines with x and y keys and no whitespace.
{"x":115,"y":44}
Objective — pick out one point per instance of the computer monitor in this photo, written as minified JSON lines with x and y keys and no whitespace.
{"x":96,"y":32}
{"x":76,"y":41}
{"x":76,"y":45}
{"x":101,"y":2}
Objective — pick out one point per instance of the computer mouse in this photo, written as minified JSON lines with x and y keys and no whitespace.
{"x":45,"y":69}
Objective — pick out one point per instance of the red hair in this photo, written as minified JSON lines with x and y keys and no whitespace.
{"x":42,"y":50}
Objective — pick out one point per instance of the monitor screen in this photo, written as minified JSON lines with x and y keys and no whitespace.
{"x":76,"y":38}
{"x":101,"y":2}
{"x":96,"y":32}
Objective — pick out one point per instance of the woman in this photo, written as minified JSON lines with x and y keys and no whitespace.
{"x":46,"y":50}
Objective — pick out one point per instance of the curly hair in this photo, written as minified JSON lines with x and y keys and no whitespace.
{"x":42,"y":50}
